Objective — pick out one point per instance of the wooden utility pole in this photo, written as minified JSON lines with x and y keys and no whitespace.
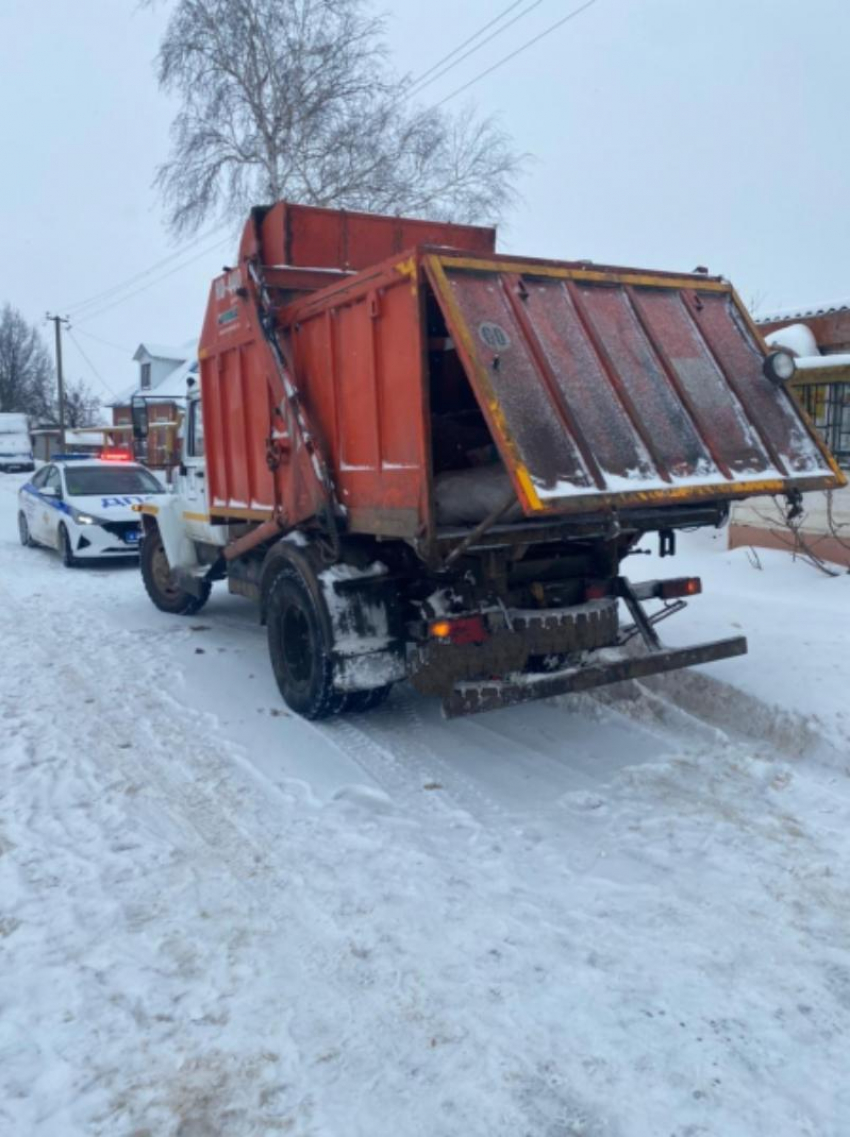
{"x":57,"y":322}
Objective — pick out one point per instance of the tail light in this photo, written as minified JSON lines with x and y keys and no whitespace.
{"x":680,"y":586}
{"x":463,"y":630}
{"x":597,"y":589}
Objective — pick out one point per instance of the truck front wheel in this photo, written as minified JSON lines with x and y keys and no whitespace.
{"x":156,"y":574}
{"x":300,"y":646}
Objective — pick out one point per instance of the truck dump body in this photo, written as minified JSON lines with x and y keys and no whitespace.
{"x":597,"y":389}
{"x":618,"y":388}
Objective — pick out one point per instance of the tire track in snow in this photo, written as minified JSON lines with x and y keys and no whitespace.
{"x":387,"y":756}
{"x":205,"y":787}
{"x":157,"y":771}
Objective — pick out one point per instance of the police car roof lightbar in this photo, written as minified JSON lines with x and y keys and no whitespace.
{"x":72,"y":457}
{"x":113,"y":455}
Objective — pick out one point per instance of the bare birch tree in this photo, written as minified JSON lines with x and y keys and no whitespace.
{"x":296,"y":99}
{"x":26,"y":370}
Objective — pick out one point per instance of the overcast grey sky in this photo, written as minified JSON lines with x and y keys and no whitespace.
{"x":665,"y":133}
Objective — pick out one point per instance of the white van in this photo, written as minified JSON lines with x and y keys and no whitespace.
{"x":15,"y":444}
{"x":16,"y":449}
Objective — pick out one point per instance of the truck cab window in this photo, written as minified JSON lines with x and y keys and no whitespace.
{"x":196,"y":431}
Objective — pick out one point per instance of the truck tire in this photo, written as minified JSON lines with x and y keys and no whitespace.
{"x":156,"y":574}
{"x":301,"y":646}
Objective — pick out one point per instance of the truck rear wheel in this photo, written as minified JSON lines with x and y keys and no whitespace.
{"x":156,"y":574}
{"x":301,"y":646}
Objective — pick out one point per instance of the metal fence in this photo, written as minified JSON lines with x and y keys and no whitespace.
{"x":829,"y":408}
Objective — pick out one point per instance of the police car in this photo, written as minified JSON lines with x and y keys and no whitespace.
{"x":83,"y":506}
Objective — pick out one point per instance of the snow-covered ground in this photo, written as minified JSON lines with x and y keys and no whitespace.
{"x":621,"y":915}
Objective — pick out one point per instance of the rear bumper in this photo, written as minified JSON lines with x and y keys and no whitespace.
{"x":514,"y":637}
{"x":474,"y":696}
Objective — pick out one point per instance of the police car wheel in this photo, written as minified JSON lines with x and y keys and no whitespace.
{"x":156,"y":575}
{"x":65,"y":550}
{"x":300,"y":647}
{"x":24,"y":531}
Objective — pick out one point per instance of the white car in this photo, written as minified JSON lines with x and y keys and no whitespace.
{"x":83,"y":507}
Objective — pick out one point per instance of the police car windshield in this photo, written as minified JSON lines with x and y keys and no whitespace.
{"x":84,"y":480}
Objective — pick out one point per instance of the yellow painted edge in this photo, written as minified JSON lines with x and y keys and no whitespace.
{"x":561,"y":272}
{"x":409,"y":268}
{"x":528,"y":488}
{"x":749,"y":321}
{"x":686,"y":493}
{"x":196,"y":517}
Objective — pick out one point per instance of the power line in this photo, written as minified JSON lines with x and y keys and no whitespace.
{"x":89,"y":316}
{"x":421,"y":87}
{"x":113,"y":288}
{"x":91,"y":366}
{"x":418,"y":79}
{"x":505,"y":59}
{"x":106,"y":343}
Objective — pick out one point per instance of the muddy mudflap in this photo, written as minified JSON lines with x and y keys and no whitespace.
{"x":472,"y":697}
{"x":368,"y":646}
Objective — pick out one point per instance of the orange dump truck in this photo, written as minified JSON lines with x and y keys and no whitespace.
{"x":428,"y":461}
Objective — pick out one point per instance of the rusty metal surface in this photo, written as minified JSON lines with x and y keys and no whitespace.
{"x":470,"y":698}
{"x":621,"y":387}
{"x":438,"y":666}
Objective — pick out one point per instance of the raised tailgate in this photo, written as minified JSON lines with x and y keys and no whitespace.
{"x":609,"y":387}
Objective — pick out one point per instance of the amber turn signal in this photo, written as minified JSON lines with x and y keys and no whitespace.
{"x":681,"y":586}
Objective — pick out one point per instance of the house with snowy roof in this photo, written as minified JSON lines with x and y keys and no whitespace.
{"x":819,"y":338}
{"x":163,"y":374}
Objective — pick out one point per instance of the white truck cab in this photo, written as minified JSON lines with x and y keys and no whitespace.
{"x":190,"y":476}
{"x":179,"y":544}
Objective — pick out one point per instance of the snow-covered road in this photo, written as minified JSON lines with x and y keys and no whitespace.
{"x":623,"y":915}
